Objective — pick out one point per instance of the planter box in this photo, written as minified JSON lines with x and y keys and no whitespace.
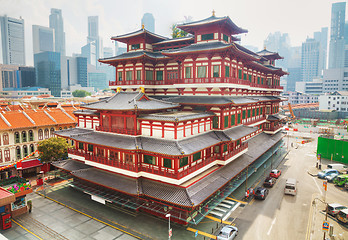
{"x":22,"y":193}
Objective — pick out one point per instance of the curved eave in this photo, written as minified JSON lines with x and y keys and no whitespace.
{"x":236,"y":30}
{"x":195,"y":51}
{"x":125,"y":37}
{"x":133,"y":109}
{"x":144,"y":55}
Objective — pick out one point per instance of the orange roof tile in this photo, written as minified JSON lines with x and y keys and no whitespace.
{"x":17,"y":119}
{"x":61,"y":117}
{"x":40,"y":117}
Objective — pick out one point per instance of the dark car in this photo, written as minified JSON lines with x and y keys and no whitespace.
{"x":261,"y":193}
{"x":269,"y":182}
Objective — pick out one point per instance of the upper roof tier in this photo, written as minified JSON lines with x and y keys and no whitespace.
{"x":151,"y":37}
{"x":130,"y":101}
{"x":192,"y":27}
{"x":269,"y":55}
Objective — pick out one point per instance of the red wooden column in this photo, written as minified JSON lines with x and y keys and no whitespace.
{"x":143,"y":72}
{"x":223,"y":66}
{"x":175,"y":130}
{"x":135,"y":125}
{"x":184,"y":129}
{"x":85,"y":121}
{"x":194,"y":69}
{"x":162,"y":125}
{"x":222,"y":119}
{"x":176,"y":166}
{"x":125,"y":123}
{"x":151,"y":128}
{"x":124,"y":73}
{"x":209,"y":67}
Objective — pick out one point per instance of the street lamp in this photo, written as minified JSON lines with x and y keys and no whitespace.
{"x":169,"y":230}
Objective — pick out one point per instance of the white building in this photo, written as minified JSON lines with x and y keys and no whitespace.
{"x":43,"y":39}
{"x":313,"y":87}
{"x":336,"y":101}
{"x":301,"y":98}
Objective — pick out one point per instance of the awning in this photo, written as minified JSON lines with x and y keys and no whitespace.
{"x":28,"y":164}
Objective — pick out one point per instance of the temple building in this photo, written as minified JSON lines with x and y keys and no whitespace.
{"x":188,"y":118}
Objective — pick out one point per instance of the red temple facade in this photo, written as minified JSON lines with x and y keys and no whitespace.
{"x":174,"y":136}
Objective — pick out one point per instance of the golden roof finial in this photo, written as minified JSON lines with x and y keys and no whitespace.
{"x":118,"y":89}
{"x":142,"y":89}
{"x":142,"y":26}
{"x":213,"y":12}
{"x":264,"y":47}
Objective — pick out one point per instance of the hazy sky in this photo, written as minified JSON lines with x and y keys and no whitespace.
{"x":299,"y":18}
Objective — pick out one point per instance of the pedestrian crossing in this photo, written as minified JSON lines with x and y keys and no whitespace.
{"x":224,"y":208}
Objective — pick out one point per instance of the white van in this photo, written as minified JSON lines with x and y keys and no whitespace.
{"x":290,"y":186}
{"x":339,"y":167}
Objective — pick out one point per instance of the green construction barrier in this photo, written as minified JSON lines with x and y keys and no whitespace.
{"x":337,"y":149}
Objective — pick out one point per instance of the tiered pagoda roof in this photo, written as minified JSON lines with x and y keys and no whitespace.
{"x":190,"y":196}
{"x":153,"y":37}
{"x":213,"y":20}
{"x":130,"y":101}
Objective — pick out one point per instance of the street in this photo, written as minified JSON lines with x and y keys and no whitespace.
{"x":292,"y":217}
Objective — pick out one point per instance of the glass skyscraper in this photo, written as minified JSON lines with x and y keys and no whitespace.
{"x":12,"y":40}
{"x":47,"y":67}
{"x":43,"y":39}
{"x":56,"y":23}
{"x":149,"y":22}
{"x":337,"y":42}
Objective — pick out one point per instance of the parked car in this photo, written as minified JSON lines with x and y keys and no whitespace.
{"x":269,"y":182}
{"x":339,"y":167}
{"x":326,"y":172}
{"x":331,"y":177}
{"x":227,"y":233}
{"x":342,"y":216}
{"x":334,"y":208}
{"x":341,"y":180}
{"x":275,"y":173}
{"x":261,"y":193}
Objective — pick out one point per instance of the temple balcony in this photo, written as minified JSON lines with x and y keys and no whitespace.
{"x":273,"y":127}
{"x":231,"y":80}
{"x":170,"y":175}
{"x":117,"y":130}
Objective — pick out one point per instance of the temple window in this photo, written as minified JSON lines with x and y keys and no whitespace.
{"x":119,"y":76}
{"x":233,"y":120}
{"x":129,"y":75}
{"x":248,"y":113}
{"x":209,"y":36}
{"x":216,"y":71}
{"x":243,"y":114}
{"x":167,"y":163}
{"x":90,"y":148}
{"x":201,"y":72}
{"x":188,"y":72}
{"x":240,"y":73}
{"x":225,"y":37}
{"x":149,"y":159}
{"x":17,"y":137}
{"x":227,"y":71}
{"x":159,"y":75}
{"x":149,"y":75}
{"x":197,"y":156}
{"x":135,"y":46}
{"x":183,"y":162}
{"x":226,"y":122}
{"x":225,"y":148}
{"x":138,"y":74}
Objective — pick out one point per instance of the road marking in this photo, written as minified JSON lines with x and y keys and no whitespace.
{"x":218,"y":220}
{"x":26,"y":229}
{"x":310,"y":219}
{"x":318,"y":186}
{"x":201,"y":233}
{"x":252,"y":201}
{"x":273,"y":222}
{"x":236,"y":200}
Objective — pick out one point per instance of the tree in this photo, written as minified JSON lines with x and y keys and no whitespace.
{"x":81,"y":93}
{"x":177,"y":33}
{"x":53,"y":149}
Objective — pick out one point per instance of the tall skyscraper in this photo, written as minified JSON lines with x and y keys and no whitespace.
{"x":93,"y":37}
{"x":12,"y":40}
{"x":48,"y":71}
{"x":149,"y":22}
{"x":280,"y":43}
{"x":73,"y":71}
{"x":43,"y":39}
{"x":56,"y":23}
{"x":321,"y":37}
{"x":336,"y":54}
{"x":310,"y":59}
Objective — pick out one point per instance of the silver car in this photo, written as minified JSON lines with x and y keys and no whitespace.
{"x":227,"y":233}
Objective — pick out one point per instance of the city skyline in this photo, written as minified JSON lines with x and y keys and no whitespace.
{"x":279,"y":17}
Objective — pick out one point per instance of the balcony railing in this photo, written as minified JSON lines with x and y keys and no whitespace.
{"x":236,"y":151}
{"x":116,"y":130}
{"x":232,"y":80}
{"x":153,"y":169}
